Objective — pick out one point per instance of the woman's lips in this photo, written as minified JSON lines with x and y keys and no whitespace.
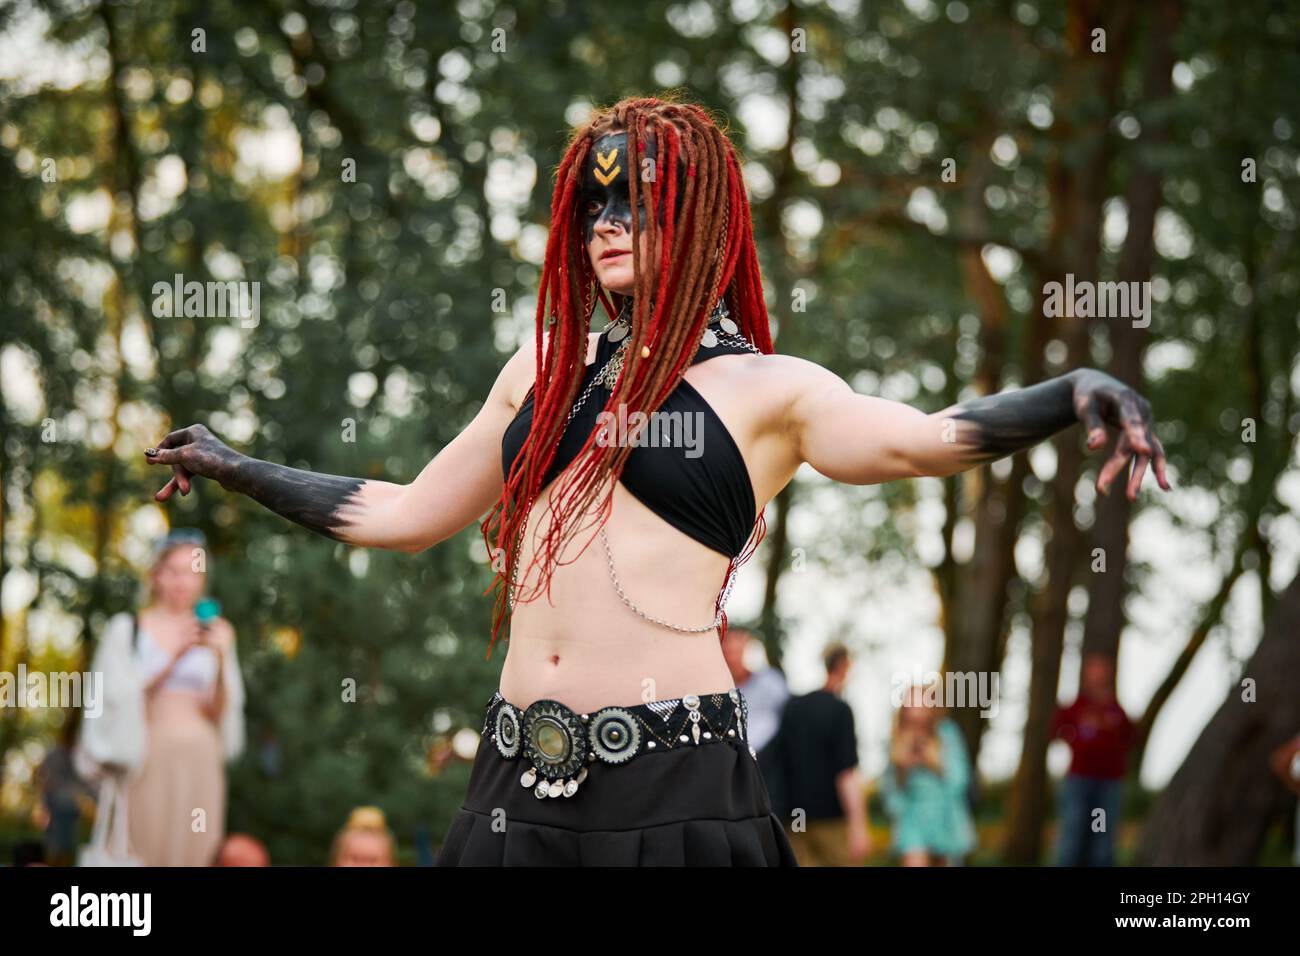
{"x":613,"y":254}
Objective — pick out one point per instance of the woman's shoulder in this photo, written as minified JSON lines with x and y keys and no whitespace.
{"x":783,"y":378}
{"x":115,"y":639}
{"x":121,"y":624}
{"x":224,"y":632}
{"x":773,"y":363}
{"x":520,"y":370}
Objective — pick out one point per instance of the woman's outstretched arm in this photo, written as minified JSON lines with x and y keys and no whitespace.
{"x":459,"y":485}
{"x":863,"y":440}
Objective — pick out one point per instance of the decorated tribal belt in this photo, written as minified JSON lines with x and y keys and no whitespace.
{"x":557,"y":743}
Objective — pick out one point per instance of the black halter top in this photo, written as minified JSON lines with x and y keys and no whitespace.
{"x":692,"y":475}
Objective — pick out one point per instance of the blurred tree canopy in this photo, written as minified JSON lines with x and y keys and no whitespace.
{"x":918,"y":171}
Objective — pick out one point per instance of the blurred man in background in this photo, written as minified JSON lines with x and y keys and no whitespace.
{"x":1099,"y":734}
{"x":764,"y":689}
{"x":811,"y":767}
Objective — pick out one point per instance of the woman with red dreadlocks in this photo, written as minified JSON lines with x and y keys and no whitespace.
{"x":616,"y":735}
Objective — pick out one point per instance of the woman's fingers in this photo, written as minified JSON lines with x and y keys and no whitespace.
{"x":170,"y":451}
{"x":1131,"y":413}
{"x":1135,"y":479}
{"x":1090,"y":415}
{"x":1135,"y":420}
{"x":1114,"y":464}
{"x":163,"y":455}
{"x":1120,"y":459}
{"x":166,"y":491}
{"x":1158,"y":464}
{"x":180,"y":479}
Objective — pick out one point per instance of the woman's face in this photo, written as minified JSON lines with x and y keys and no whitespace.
{"x":607,"y":213}
{"x":364,"y":848}
{"x":912,"y":718}
{"x":175,"y":582}
{"x":915,"y":715}
{"x":610,"y":249}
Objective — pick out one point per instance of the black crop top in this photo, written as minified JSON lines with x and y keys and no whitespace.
{"x":699,"y":483}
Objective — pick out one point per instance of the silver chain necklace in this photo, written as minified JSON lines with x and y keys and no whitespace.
{"x":618,"y":329}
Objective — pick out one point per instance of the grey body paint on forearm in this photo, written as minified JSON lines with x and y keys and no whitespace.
{"x":304,"y":497}
{"x":1013,"y":421}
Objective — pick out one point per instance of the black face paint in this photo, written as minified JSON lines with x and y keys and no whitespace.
{"x":606,"y":195}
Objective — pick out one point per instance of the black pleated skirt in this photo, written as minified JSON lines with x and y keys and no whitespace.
{"x":691,"y":806}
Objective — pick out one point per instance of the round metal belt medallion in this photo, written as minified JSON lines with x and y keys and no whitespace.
{"x":615,"y":735}
{"x":507,"y":731}
{"x":554,"y":739}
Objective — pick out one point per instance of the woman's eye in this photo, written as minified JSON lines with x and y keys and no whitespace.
{"x":593,"y":206}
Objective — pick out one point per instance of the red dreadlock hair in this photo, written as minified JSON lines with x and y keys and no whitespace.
{"x":706,"y":251}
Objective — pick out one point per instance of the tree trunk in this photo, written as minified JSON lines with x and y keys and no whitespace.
{"x":1105,"y":619}
{"x":1077,"y":191}
{"x":1220,"y":804}
{"x":1209,"y":617}
{"x":1028,"y":799}
{"x":975,"y":620}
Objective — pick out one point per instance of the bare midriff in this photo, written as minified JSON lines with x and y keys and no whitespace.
{"x":587,"y":649}
{"x":167,"y":704}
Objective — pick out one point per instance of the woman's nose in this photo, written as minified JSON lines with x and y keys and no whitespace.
{"x":608,"y":225}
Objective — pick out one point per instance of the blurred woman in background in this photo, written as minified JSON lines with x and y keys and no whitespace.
{"x":924,"y":787}
{"x":193,"y":712}
{"x":173,"y":713}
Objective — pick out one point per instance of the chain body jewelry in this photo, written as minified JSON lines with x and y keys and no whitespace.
{"x":609,"y":556}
